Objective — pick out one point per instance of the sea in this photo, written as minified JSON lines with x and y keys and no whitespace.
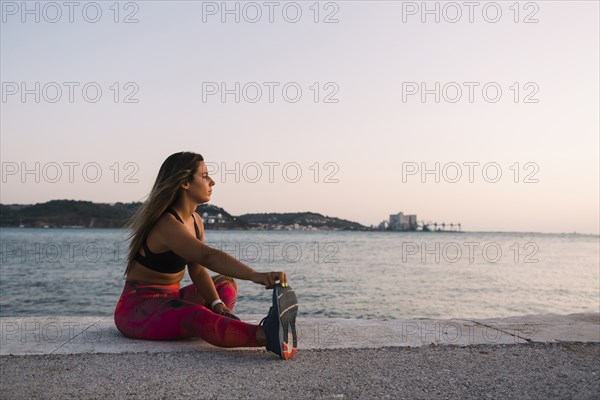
{"x":367,"y":275}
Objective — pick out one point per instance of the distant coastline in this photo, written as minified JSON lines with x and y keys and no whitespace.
{"x":86,"y":214}
{"x":76,"y":214}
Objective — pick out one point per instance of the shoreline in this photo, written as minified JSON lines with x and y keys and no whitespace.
{"x":324,"y":230}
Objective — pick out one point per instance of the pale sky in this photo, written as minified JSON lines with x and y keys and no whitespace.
{"x":374,"y":62}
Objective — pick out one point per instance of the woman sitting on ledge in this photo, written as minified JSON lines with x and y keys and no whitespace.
{"x":167,"y":234}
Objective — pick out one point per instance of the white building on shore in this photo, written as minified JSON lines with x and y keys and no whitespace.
{"x":401,"y":222}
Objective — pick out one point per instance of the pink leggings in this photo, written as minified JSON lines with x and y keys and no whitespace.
{"x":166,"y":312}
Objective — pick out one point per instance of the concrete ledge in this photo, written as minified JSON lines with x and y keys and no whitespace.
{"x":81,"y":335}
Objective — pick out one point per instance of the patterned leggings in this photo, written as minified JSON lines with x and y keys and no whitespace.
{"x":167,"y":312}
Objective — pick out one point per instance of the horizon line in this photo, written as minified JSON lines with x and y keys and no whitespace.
{"x":289,"y":212}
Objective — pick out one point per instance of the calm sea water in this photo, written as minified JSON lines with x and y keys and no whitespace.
{"x":372,"y":275}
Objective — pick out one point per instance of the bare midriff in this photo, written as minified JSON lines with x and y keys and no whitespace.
{"x":143,"y":274}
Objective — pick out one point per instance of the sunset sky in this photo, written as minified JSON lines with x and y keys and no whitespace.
{"x":337,"y":116}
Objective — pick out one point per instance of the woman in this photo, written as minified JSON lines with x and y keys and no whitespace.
{"x":166,"y":235}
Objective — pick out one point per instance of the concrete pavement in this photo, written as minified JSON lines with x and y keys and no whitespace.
{"x":535,"y":357}
{"x":80,"y":335}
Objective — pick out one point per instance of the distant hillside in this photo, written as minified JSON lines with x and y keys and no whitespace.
{"x":86,"y":214}
{"x":210,"y":215}
{"x":301,"y":219}
{"x":66,"y":213}
{"x":74,"y":213}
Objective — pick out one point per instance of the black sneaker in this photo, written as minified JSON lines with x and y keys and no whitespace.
{"x":281,"y":322}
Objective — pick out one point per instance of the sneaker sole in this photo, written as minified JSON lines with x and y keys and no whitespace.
{"x":287,"y":308}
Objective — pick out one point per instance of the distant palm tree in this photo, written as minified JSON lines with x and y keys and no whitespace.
{"x":451,"y":226}
{"x":443,"y":226}
{"x":435,"y":225}
{"x":459,"y":228}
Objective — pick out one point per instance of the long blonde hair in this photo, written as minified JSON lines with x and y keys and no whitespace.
{"x":177,"y":169}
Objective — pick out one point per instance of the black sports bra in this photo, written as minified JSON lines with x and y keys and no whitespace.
{"x":167,"y":262}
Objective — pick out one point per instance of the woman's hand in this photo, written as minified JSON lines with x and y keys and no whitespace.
{"x":268,"y":278}
{"x":221,"y":308}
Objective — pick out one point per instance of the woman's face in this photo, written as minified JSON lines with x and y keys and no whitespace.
{"x":201,"y":186}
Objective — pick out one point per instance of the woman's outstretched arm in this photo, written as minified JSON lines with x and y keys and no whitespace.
{"x":177,"y":238}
